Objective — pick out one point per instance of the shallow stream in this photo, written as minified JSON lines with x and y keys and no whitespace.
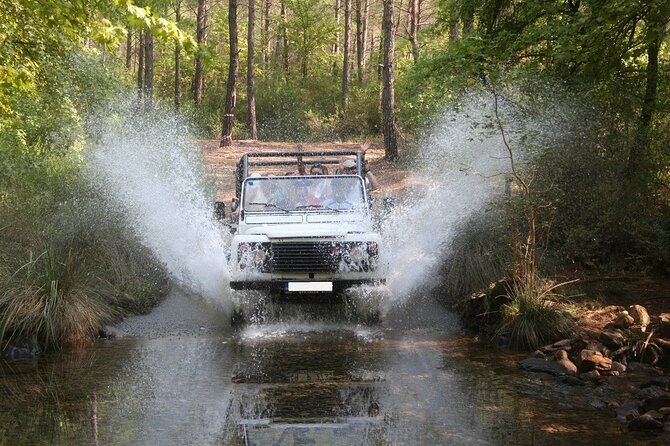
{"x":182,"y":376}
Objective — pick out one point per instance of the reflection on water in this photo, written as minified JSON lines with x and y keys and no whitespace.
{"x":395,"y":383}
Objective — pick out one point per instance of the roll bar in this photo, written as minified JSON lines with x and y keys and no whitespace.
{"x":293,"y":158}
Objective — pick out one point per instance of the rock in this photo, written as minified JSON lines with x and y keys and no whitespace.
{"x":662,"y":382}
{"x":564,"y":344}
{"x":589,"y":360}
{"x":656,"y":415}
{"x":561,"y":358}
{"x":571,"y":380}
{"x":21,"y":350}
{"x":645,"y":423}
{"x":623,"y":320}
{"x":665,"y":411}
{"x":592,"y":376}
{"x":664,"y":317}
{"x":538,"y":354}
{"x":643,"y":369}
{"x":653,"y":398}
{"x":627,"y":411}
{"x":598,"y":404}
{"x":544,"y":366}
{"x":110,"y":332}
{"x":640,"y":315}
{"x":618,"y":367}
{"x":613,"y":405}
{"x":613,"y":338}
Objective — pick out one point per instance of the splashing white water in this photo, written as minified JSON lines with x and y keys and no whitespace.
{"x":151,"y":169}
{"x":462,"y":163}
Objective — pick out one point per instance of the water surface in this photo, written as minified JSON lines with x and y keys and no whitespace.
{"x":185,"y":377}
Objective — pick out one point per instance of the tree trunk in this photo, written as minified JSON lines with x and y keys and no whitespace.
{"x":140,"y":65}
{"x":361,"y":32}
{"x":346,"y":65}
{"x":284,"y":46}
{"x":266,"y":32}
{"x":414,"y":18}
{"x":639,"y":150}
{"x":305,"y":57}
{"x":201,"y":39}
{"x":233,"y":67}
{"x":251,"y":89}
{"x":336,"y":45}
{"x":177,"y":63}
{"x":399,"y":15}
{"x":129,"y":50}
{"x":467,"y":14}
{"x":148,"y":66}
{"x":388,"y":99}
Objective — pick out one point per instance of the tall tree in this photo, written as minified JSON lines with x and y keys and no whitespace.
{"x":336,"y":44}
{"x":201,"y":39}
{"x":657,"y":20}
{"x":414,"y":21}
{"x":140,"y":64}
{"x":265,"y":38}
{"x":148,"y":66}
{"x":388,"y":95}
{"x":129,"y":49}
{"x":233,"y":68}
{"x":251,"y":89}
{"x":284,"y":35}
{"x":177,"y":62}
{"x":346,"y":65}
{"x":361,"y":34}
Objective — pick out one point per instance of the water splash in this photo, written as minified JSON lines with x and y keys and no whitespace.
{"x":150,"y":168}
{"x":462,"y":162}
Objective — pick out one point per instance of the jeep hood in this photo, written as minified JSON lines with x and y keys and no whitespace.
{"x":308,"y":230}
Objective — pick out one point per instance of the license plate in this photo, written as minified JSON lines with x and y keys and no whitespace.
{"x":310,"y":286}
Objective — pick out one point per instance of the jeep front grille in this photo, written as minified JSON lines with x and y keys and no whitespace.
{"x":288,"y":257}
{"x":310,"y":257}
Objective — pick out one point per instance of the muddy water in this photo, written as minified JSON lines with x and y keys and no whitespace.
{"x":183,"y":377}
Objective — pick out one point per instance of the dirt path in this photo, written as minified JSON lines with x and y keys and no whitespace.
{"x":221,"y":163}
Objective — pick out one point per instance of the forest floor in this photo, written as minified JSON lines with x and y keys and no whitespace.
{"x":591,"y":294}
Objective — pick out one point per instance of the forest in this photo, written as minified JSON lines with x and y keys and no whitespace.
{"x":593,"y":198}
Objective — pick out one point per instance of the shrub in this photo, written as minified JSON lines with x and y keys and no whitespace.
{"x":70,"y":267}
{"x":478,"y":256}
{"x":534,"y":316}
{"x":55,"y":297}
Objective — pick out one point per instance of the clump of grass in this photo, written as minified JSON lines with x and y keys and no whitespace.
{"x":55,"y":297}
{"x":69,"y":270}
{"x":535,"y":316}
{"x":477,"y":257}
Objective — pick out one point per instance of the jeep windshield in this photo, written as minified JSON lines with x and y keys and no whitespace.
{"x":303,"y":194}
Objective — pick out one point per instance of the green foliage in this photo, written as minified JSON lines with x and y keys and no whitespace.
{"x":534,"y":317}
{"x":71,"y":269}
{"x":67,"y":265}
{"x":310,"y":31}
{"x":54,"y":298}
{"x":480,"y":254}
{"x":281,"y":109}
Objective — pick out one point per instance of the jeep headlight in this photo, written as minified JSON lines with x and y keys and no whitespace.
{"x":357,"y":255}
{"x":258,"y":256}
{"x":251,"y":255}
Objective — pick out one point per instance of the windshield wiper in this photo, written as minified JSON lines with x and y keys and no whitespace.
{"x":309,"y":206}
{"x":268,"y":205}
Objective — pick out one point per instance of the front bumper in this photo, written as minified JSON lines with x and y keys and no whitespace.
{"x":282,"y":285}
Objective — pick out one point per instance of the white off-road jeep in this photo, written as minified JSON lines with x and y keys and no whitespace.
{"x":303,"y":233}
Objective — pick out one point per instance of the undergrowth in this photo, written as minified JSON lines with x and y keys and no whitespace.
{"x":534,"y":316}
